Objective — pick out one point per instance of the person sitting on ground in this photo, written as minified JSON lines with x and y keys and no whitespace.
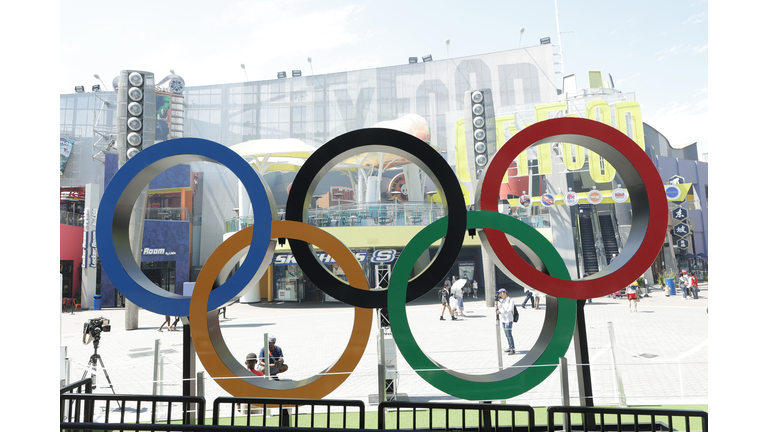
{"x":276,"y":361}
{"x":250,"y":362}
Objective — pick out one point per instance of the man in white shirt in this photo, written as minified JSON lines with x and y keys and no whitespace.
{"x":504,"y":308}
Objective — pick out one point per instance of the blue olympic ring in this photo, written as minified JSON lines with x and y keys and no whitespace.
{"x":115,"y":210}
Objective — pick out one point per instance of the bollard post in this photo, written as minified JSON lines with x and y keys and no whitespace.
{"x":156,"y":367}
{"x":266,"y":356}
{"x":161,"y":376}
{"x":566,"y":391}
{"x":498,"y":340}
{"x":201,"y":384}
{"x":617,"y":375}
{"x":382,"y":365}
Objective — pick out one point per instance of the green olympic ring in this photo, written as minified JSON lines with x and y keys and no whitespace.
{"x":535,"y":366}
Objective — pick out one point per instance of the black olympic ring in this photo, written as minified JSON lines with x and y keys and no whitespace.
{"x":377,"y":140}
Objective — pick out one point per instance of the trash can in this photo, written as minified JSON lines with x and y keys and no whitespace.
{"x":671,"y":284}
{"x":97,"y":302}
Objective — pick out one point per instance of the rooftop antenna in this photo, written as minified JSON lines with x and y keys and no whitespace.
{"x":559,"y":42}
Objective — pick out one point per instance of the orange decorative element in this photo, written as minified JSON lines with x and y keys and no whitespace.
{"x":218,"y":360}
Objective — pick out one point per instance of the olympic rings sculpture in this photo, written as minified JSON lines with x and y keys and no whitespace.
{"x":547,"y":274}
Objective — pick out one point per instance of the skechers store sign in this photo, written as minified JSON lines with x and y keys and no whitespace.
{"x":381,"y":256}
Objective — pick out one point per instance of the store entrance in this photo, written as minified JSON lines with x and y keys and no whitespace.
{"x":66,"y":268}
{"x":161,"y":273}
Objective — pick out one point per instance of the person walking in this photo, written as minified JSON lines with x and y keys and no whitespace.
{"x":445,"y":300}
{"x":474,"y":288}
{"x":167,"y":321}
{"x":537,"y":296}
{"x":458,"y":294}
{"x":173,"y":326}
{"x":528,"y":296}
{"x":632,"y":296}
{"x":684,"y":284}
{"x":505,"y":309}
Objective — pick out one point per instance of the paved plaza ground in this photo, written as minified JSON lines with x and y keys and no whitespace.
{"x":660,"y":354}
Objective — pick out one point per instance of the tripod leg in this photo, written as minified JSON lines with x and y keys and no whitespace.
{"x":104,"y":369}
{"x":92,"y":369}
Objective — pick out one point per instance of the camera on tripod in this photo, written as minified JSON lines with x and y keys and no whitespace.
{"x":92,"y":331}
{"x":94,"y":327}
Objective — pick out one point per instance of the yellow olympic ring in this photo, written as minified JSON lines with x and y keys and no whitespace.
{"x":219,"y":361}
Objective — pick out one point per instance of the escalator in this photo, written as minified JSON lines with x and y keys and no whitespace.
{"x":608,"y":232}
{"x":588,"y":250}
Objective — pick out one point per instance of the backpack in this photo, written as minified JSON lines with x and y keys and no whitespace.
{"x":441,"y":294}
{"x":515,"y":315}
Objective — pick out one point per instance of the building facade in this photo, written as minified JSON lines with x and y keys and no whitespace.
{"x":431,"y":100}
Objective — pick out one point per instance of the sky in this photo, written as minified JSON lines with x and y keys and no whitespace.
{"x":655,"y":49}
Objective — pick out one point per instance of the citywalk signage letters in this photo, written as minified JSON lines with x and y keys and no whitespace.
{"x":628,"y":121}
{"x":681,"y":230}
{"x":682,"y":244}
{"x":90,"y":254}
{"x":676,"y":180}
{"x":680,"y":214}
{"x":288,"y":259}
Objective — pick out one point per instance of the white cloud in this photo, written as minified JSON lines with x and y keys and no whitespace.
{"x":683,"y":123}
{"x":674,"y":50}
{"x":701,"y":49}
{"x":624,"y":80}
{"x":696,"y":19}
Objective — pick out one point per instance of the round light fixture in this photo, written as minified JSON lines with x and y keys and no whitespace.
{"x":135,"y":109}
{"x":477,"y":109}
{"x":135,"y":79}
{"x":479,"y":134}
{"x":477,"y":97}
{"x":135,"y":93}
{"x":480,"y":147}
{"x":133,"y":151}
{"x":133,"y":139}
{"x":134,"y":123}
{"x":478,"y":122}
{"x":481,"y":160}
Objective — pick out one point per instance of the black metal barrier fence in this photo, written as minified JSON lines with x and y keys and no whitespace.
{"x":319,"y":411}
{"x":79,"y":410}
{"x":86,"y":412}
{"x":82,"y":386}
{"x":577,"y":418}
{"x":466,"y":416}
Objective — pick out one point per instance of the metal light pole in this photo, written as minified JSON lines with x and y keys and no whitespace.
{"x":430,"y":194}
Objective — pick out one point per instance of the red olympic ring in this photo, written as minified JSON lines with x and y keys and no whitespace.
{"x":639,"y":176}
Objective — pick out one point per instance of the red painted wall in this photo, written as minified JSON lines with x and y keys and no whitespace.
{"x":71,"y":248}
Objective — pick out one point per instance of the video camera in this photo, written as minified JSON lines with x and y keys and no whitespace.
{"x":94,"y":327}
